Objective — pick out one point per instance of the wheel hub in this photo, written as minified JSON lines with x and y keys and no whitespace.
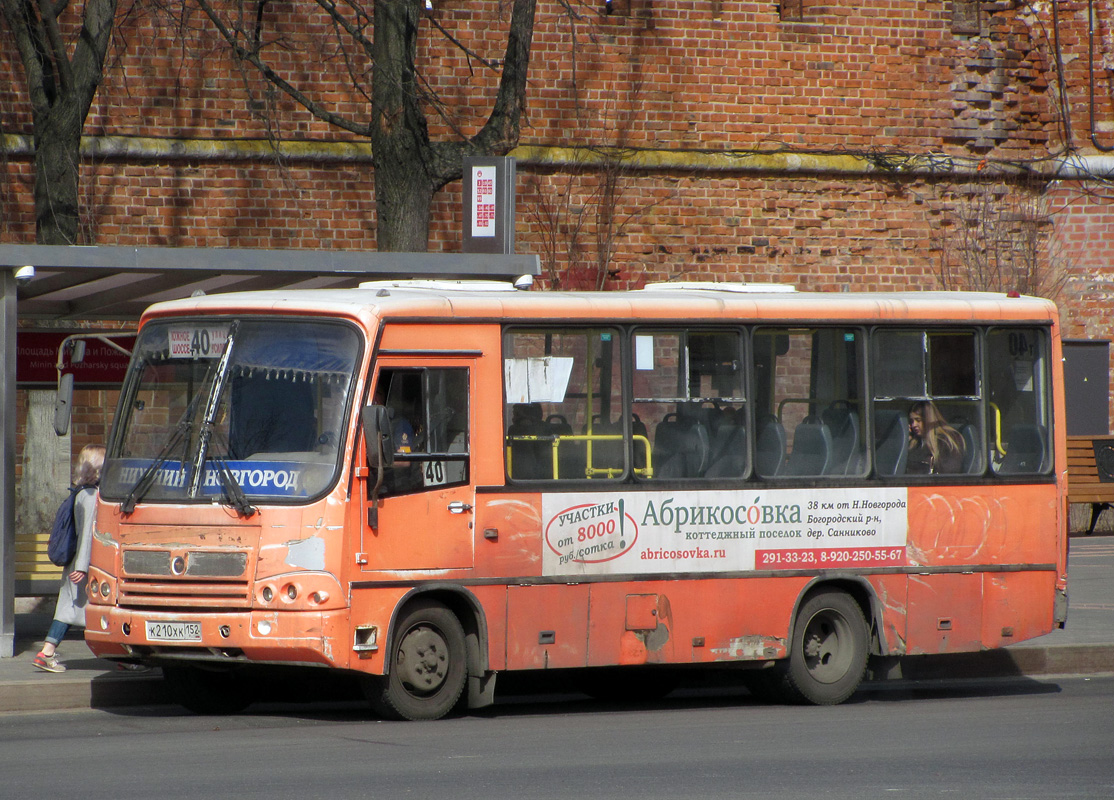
{"x":423,"y":660}
{"x":827,"y":660}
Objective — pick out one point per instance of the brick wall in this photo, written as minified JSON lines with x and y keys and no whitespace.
{"x":882,"y":82}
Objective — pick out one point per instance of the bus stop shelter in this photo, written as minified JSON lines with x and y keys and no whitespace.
{"x":46,"y":282}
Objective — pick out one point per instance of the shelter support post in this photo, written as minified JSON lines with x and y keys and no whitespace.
{"x":7,"y":463}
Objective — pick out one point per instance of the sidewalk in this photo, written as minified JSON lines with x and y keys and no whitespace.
{"x":1085,"y":647}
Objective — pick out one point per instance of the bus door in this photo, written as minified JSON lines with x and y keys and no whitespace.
{"x":424,"y":515}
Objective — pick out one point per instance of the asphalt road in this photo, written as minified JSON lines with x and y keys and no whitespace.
{"x":1002,"y":739}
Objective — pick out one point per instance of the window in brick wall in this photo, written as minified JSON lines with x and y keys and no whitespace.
{"x":965,"y":16}
{"x":791,"y":10}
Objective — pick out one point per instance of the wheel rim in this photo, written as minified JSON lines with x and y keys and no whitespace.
{"x":828,"y":646}
{"x":423,"y":661}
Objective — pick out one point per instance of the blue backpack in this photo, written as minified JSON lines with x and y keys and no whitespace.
{"x":62,"y":546}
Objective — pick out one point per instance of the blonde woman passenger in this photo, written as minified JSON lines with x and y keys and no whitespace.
{"x":935,"y":447}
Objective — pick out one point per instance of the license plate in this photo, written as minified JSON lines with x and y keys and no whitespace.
{"x":173,"y":631}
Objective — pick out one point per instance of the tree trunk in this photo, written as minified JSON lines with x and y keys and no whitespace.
{"x":399,"y":135}
{"x":61,"y":79}
{"x":57,"y":166}
{"x":402,"y":201}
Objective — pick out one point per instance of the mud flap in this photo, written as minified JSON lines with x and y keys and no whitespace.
{"x":481,"y":690}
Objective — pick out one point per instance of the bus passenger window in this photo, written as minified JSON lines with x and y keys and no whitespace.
{"x":808,"y":402}
{"x":564,"y":405}
{"x":1019,"y":401}
{"x":928,"y":403}
{"x":689,"y":400}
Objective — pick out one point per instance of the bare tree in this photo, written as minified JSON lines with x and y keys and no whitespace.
{"x":409,"y":167}
{"x":1001,"y":238}
{"x":579,"y":219}
{"x":61,"y":87}
{"x":579,"y":216}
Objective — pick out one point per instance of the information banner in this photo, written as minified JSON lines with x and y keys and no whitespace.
{"x":256,"y":478}
{"x":718,"y":531}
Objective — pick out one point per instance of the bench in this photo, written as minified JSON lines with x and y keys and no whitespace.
{"x":1086,"y":483}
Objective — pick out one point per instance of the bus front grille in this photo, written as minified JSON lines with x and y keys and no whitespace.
{"x":185,"y":578}
{"x":184,"y":593}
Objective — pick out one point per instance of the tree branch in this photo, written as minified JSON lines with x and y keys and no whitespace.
{"x":57,"y":50}
{"x":251,"y":57}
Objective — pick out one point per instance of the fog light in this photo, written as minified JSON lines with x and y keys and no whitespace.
{"x":127,"y":628}
{"x":264,"y":627}
{"x":225,"y":631}
{"x":104,"y":624}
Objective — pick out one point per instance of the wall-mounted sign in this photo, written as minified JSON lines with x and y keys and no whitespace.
{"x":488,"y":205}
{"x":37,"y":358}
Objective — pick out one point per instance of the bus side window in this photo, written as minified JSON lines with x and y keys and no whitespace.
{"x":1019,"y":410}
{"x":428,"y":409}
{"x":809,"y":402}
{"x":928,"y":403}
{"x":689,"y":404}
{"x":564,"y":401}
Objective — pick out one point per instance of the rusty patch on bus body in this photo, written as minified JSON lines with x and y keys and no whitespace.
{"x":649,"y":620}
{"x":751,"y":647}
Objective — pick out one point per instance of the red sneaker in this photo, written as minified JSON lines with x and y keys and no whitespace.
{"x":48,"y":663}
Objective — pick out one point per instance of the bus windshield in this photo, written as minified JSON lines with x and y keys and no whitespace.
{"x":251,"y":407}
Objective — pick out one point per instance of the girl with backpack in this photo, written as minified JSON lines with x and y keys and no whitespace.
{"x":70,"y":608}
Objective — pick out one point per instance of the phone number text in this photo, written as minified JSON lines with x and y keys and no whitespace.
{"x":830,"y":557}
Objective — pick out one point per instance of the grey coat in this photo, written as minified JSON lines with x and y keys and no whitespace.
{"x":71,"y":596}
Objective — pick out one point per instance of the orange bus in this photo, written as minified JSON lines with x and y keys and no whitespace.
{"x":430,"y":483}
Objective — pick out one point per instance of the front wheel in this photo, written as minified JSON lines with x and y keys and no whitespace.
{"x":828,"y":653}
{"x":427,"y":671}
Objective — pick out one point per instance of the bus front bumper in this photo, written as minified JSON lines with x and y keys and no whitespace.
{"x":258,"y":636}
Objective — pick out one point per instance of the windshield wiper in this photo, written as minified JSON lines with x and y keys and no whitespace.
{"x":147,"y":479}
{"x":205,"y":435}
{"x":230,"y":487}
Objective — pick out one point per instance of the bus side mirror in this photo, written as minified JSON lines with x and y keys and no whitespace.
{"x":62,"y":403}
{"x":377,"y":435}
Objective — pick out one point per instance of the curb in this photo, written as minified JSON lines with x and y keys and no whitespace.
{"x":63,"y":693}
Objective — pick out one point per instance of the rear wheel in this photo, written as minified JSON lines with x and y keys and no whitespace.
{"x":209,"y":691}
{"x":828,"y":652}
{"x":427,"y":670}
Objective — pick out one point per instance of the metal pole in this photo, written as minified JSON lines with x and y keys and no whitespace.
{"x":7,"y":462}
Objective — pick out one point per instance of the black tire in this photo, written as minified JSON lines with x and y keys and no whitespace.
{"x":209,"y":691}
{"x":829,"y":649}
{"x":427,"y":669}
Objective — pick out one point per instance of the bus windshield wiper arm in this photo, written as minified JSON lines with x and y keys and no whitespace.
{"x":205,"y":435}
{"x":147,"y":479}
{"x":230,"y":487}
